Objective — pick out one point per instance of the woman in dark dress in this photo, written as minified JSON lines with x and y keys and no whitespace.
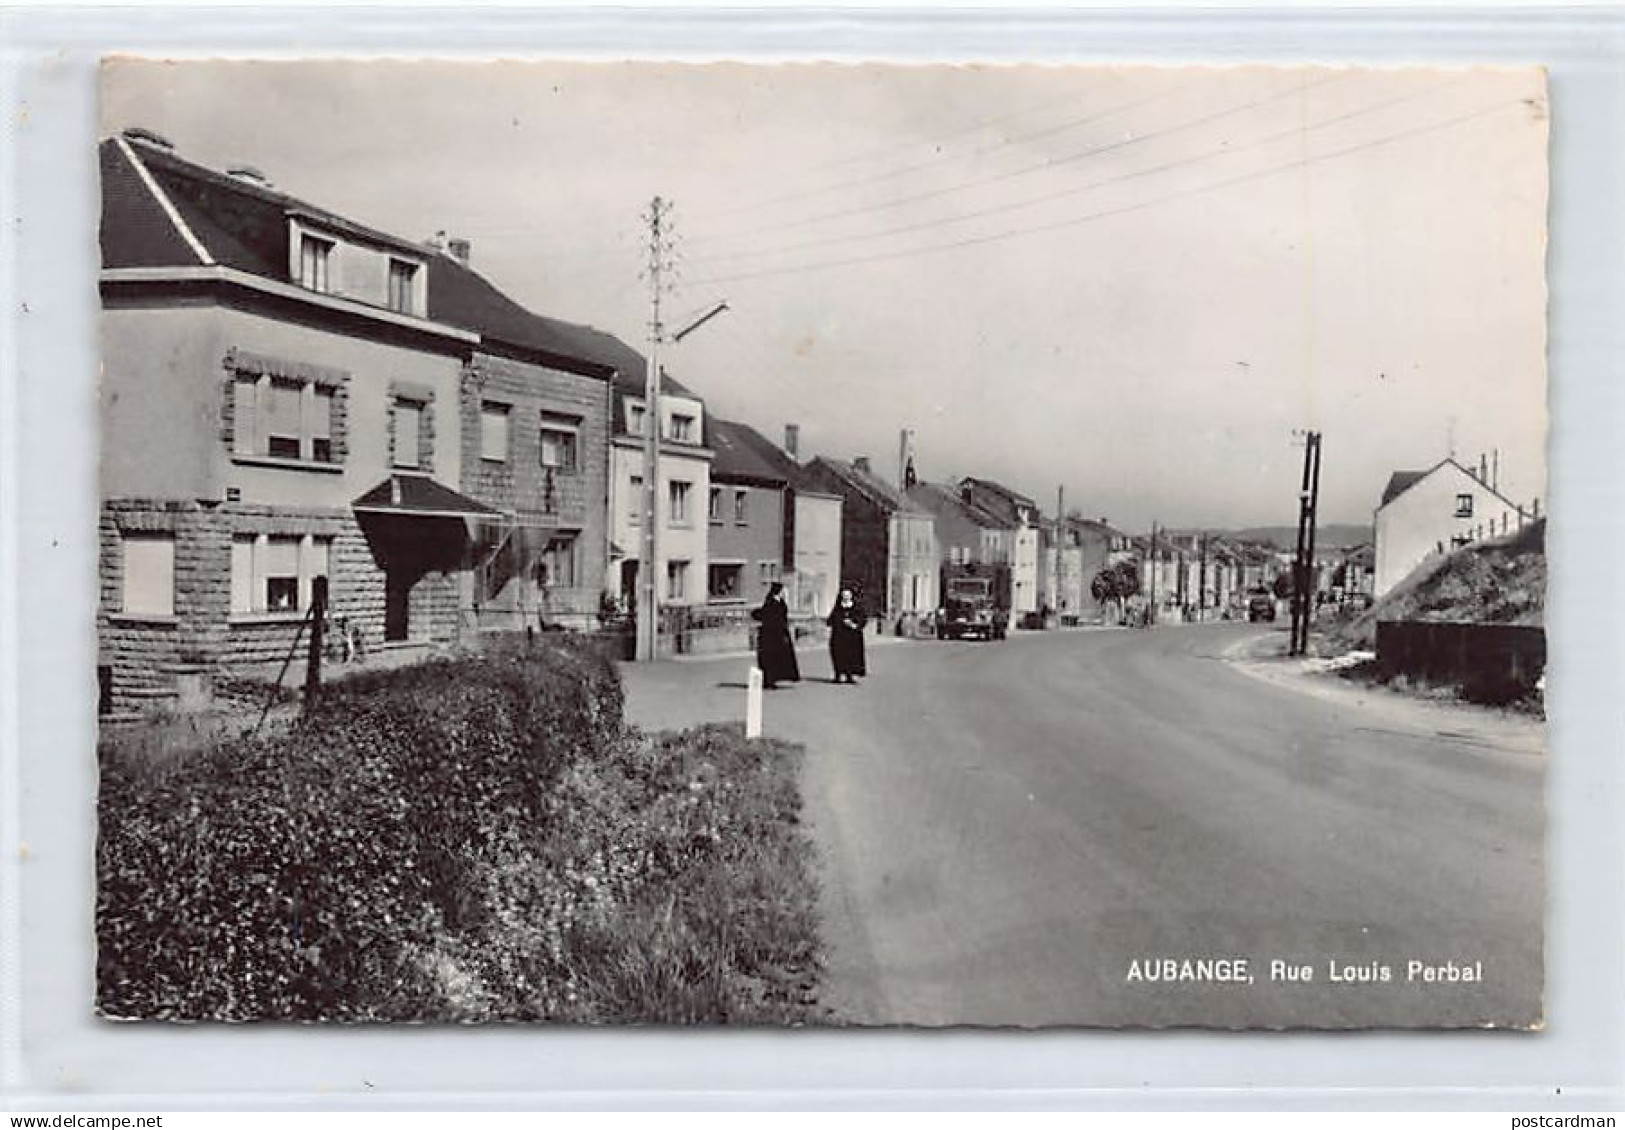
{"x":775,"y":649}
{"x":846,"y":621}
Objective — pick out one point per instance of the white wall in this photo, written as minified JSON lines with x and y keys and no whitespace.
{"x":687,"y":542}
{"x":1414,"y":526}
{"x":818,"y":549}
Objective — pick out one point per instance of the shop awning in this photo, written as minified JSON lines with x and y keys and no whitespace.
{"x":420,"y":496}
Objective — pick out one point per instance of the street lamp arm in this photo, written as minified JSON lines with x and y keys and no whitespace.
{"x":704,"y":317}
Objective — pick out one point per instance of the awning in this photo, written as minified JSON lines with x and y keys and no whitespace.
{"x":420,"y":496}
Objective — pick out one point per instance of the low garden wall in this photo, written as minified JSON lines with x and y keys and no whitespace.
{"x":1492,"y":663}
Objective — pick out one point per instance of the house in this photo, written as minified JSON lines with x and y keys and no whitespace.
{"x":967,"y":534}
{"x":1434,"y":511}
{"x":1086,"y":546}
{"x":683,"y":544}
{"x":1022,"y":512}
{"x":888,"y":543}
{"x":278,"y":413}
{"x":534,"y":411}
{"x":770,"y":522}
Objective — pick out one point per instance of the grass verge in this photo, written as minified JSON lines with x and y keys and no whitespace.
{"x":478,"y":839}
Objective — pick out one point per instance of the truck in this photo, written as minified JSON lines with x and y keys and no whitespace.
{"x":975,"y":601}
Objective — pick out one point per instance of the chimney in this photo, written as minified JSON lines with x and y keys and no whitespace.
{"x":437,"y":241}
{"x":249,"y":175}
{"x":459,"y":249}
{"x":149,"y":137}
{"x":905,"y":458}
{"x":1495,"y":470}
{"x":1483,"y":468}
{"x":861,"y":462}
{"x":792,"y":440}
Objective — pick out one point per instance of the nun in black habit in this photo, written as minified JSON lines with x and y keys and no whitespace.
{"x":775,"y":649}
{"x":846,"y":622}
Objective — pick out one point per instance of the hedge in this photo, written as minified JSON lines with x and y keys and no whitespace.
{"x":476,"y":839}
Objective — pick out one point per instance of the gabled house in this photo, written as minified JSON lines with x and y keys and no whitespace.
{"x":681,"y":496}
{"x":769,"y":522}
{"x":1086,"y":546}
{"x":967,"y":534}
{"x":1438,"y":510}
{"x":282,"y":413}
{"x":1023,"y":513}
{"x":888,"y":543}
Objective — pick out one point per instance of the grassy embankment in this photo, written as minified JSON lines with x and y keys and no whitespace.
{"x":472,"y":840}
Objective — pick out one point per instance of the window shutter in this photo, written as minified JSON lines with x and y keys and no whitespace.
{"x":149,"y":574}
{"x":242,"y":574}
{"x":245,"y":418}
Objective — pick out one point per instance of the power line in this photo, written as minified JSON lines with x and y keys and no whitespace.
{"x":942,"y":158}
{"x":1225,"y":150}
{"x":1111,"y":212}
{"x":1027,"y":170}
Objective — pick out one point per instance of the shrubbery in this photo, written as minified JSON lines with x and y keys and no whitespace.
{"x":476,"y":839}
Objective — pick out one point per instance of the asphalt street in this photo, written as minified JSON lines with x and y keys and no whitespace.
{"x":1030,"y":832}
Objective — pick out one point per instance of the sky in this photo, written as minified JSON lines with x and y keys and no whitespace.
{"x":1138,"y":284}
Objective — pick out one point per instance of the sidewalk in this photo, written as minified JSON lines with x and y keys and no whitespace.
{"x":1261,"y":657}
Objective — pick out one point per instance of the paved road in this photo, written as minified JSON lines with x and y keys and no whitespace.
{"x":1007,"y":828}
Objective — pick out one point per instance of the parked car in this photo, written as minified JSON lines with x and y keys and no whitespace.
{"x":1260,"y":606}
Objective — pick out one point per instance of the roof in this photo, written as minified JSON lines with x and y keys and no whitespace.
{"x":945,"y":501}
{"x":244,"y":225}
{"x":744,"y":454}
{"x":868,"y":485}
{"x":1015,"y":498}
{"x":1401,"y":481}
{"x":420,"y":496}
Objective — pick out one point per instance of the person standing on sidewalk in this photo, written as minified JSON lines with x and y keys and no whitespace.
{"x":846,"y":622}
{"x":775,"y":648}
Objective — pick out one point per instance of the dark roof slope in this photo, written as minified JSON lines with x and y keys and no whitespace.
{"x":244,"y":225}
{"x":945,"y":501}
{"x":867,"y":484}
{"x":1400,"y":482}
{"x":136,"y":231}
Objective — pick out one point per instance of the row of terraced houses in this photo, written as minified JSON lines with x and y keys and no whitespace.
{"x":291,"y":399}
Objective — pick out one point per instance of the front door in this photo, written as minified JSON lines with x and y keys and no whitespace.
{"x":397,"y":605}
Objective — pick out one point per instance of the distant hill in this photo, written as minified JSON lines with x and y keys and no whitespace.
{"x":1333,"y":536}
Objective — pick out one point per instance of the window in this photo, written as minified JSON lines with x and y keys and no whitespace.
{"x":713,"y":509}
{"x":286,"y":419}
{"x":1464,"y":506}
{"x":677,"y":580}
{"x":741,"y":510}
{"x":408,"y":420}
{"x":494,"y":432}
{"x":679,"y":503}
{"x":282,"y":426}
{"x":276,"y":572}
{"x":149,"y":574}
{"x":682,"y":427}
{"x":559,"y":441}
{"x":768,"y":571}
{"x":401,"y":277}
{"x":635,"y":417}
{"x":314,"y":254}
{"x":634,"y":496}
{"x":725,"y":582}
{"x":557,"y":567}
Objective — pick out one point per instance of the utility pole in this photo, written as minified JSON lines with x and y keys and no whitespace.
{"x":1060,"y":527}
{"x":1201,"y":578}
{"x":648,"y":626}
{"x":1303,"y":559}
{"x":1151,"y":607}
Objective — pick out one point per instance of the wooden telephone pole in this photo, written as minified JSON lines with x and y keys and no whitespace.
{"x":1303,"y":564}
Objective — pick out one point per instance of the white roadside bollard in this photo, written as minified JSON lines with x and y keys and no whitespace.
{"x":753,"y":703}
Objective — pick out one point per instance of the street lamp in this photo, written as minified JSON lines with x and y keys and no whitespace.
{"x":648,"y":625}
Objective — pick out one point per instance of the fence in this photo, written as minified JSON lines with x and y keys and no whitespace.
{"x":1493,"y":663}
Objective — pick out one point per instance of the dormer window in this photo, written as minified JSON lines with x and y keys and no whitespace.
{"x":314,"y":254}
{"x":682,"y":428}
{"x":635,"y":416}
{"x":402,"y":275}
